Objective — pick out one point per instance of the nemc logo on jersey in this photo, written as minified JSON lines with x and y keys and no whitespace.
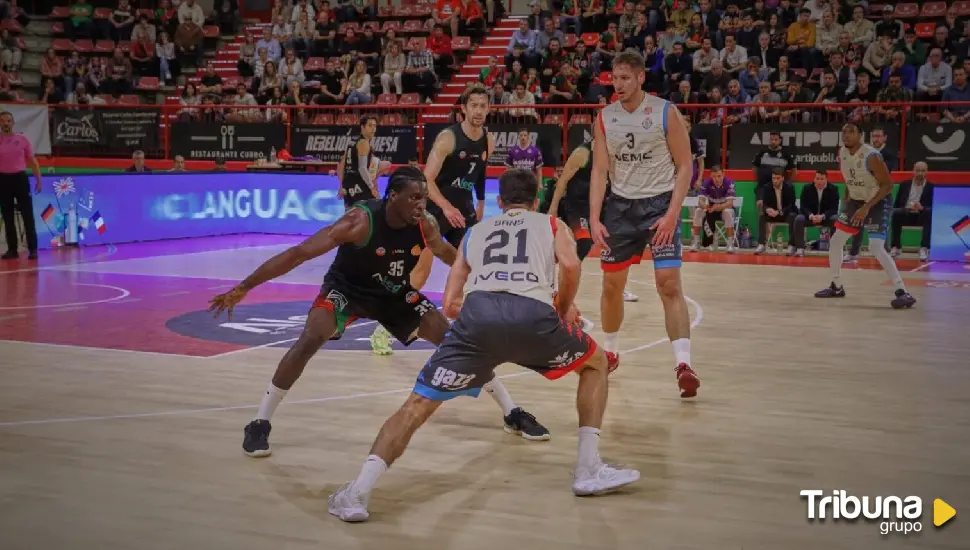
{"x":632,"y":157}
{"x":514,"y":276}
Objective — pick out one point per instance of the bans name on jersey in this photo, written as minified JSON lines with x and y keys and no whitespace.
{"x":339,"y":144}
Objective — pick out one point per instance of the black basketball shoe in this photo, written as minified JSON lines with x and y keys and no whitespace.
{"x":256,"y":441}
{"x":831,"y":292}
{"x":519,"y":422}
{"x":903,"y":299}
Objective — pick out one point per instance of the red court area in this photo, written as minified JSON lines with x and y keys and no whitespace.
{"x":80,"y":298}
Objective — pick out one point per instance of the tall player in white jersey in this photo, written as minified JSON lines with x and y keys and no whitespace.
{"x":641,"y":142}
{"x":868,"y":205}
{"x":500,"y":293}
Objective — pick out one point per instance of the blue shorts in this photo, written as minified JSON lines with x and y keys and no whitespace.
{"x":495,"y":328}
{"x":628,"y":222}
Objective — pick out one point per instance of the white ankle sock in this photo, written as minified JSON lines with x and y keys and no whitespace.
{"x":610,"y":341}
{"x":497,"y":390}
{"x":370,"y":472}
{"x":271,"y":400}
{"x":878,"y":248}
{"x":589,"y":442}
{"x":835,"y":255}
{"x":681,"y":350}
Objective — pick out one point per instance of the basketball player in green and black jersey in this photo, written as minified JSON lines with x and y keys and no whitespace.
{"x":378,"y":244}
{"x":354,"y":168}
{"x":455,"y":167}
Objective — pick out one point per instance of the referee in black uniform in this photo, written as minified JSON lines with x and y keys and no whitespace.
{"x":15,"y":155}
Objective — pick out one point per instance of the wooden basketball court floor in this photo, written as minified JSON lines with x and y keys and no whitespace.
{"x":122,"y":406}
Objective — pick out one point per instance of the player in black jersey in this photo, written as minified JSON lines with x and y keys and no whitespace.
{"x":354,"y":168}
{"x":378,"y":244}
{"x":573,"y":185}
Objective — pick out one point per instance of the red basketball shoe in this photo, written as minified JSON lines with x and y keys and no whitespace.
{"x":687,"y":380}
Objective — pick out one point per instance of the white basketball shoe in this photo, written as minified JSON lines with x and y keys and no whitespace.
{"x":348,"y":504}
{"x":602,"y":479}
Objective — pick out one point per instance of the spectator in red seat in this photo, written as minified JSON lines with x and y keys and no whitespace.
{"x":492,"y":71}
{"x":242,"y":99}
{"x":302,"y":35}
{"x":517,"y":74}
{"x":610,"y":44}
{"x":273,"y":48}
{"x":97,"y":73}
{"x":211,"y":81}
{"x":209,"y":113}
{"x":333,"y":86}
{"x":301,"y":7}
{"x":271,"y":79}
{"x":80,"y":96}
{"x":933,"y":77}
{"x":248,"y":57}
{"x":51,"y":94}
{"x":275,"y":115}
{"x":120,"y":23}
{"x":522,"y":46}
{"x":958,"y":91}
{"x":521,"y":96}
{"x":471,"y":20}
{"x":259,"y":70}
{"x":10,"y":53}
{"x":81,"y":22}
{"x":439,"y":44}
{"x":52,"y":68}
{"x":389,"y":38}
{"x":169,"y":68}
{"x":189,"y":35}
{"x":394,"y":65}
{"x":419,"y":74}
{"x":189,"y":101}
{"x":861,"y":30}
{"x":914,"y":49}
{"x":552,"y":62}
{"x":224,"y":15}
{"x":282,"y":31}
{"x":325,"y":36}
{"x":349,"y":46}
{"x":562,"y":88}
{"x":446,"y":14}
{"x":166,"y":16}
{"x":801,"y":41}
{"x":888,"y":26}
{"x":359,"y":84}
{"x":369,"y":49}
{"x":291,"y":68}
{"x":143,"y":51}
{"x":120,"y":74}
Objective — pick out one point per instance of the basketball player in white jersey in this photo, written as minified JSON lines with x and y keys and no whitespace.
{"x":500,"y":293}
{"x":868,"y":205}
{"x":641,"y":143}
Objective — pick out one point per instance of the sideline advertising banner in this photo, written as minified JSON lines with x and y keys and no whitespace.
{"x":944,"y":147}
{"x":100,"y":209}
{"x":951,"y":224}
{"x":397,"y":144}
{"x":33,"y":121}
{"x":214,"y":140}
{"x":814,"y":146}
{"x":115,"y":128}
{"x":547,"y":137}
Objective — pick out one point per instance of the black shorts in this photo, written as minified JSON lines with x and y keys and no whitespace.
{"x":453,"y":235}
{"x":577,"y":218}
{"x":628,"y":222}
{"x":495,"y":328}
{"x":876,"y":223}
{"x":399,"y":313}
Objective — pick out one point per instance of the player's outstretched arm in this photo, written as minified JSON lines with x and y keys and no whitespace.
{"x":577,"y":159}
{"x":441,"y":248}
{"x":597,"y":182}
{"x":443,"y":146}
{"x":570,"y":267}
{"x":480,"y":184}
{"x":455,"y":287}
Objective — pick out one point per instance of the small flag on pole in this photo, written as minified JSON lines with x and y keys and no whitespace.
{"x":98,"y":222}
{"x":48,"y":213}
{"x":963,"y":224}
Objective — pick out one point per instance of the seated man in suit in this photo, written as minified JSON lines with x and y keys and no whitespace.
{"x":777,"y":206}
{"x":819,"y":208}
{"x":914,"y":207}
{"x":714,"y":202}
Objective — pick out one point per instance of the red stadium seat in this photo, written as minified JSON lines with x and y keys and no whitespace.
{"x":590,"y":39}
{"x":323,"y":119}
{"x":385,"y":11}
{"x":147,"y":12}
{"x":104,"y":46}
{"x":386,"y":99}
{"x":57,"y":28}
{"x":409,"y":99}
{"x":553,"y":119}
{"x":315,"y":64}
{"x":125,"y":45}
{"x":925,"y":30}
{"x":108,"y":100}
{"x":816,"y":76}
{"x":148,"y":84}
{"x":933,"y":9}
{"x":373,"y":25}
{"x":422,"y":11}
{"x":11,"y":25}
{"x":402,"y":12}
{"x":21,"y":43}
{"x":875,"y":10}
{"x":461,"y":43}
{"x":570,"y":41}
{"x":14,"y":79}
{"x":351,"y":25}
{"x":129,"y":99}
{"x":580,"y":119}
{"x":392,"y":119}
{"x":84,"y":46}
{"x":102,"y":13}
{"x":962,"y":8}
{"x":907,"y":10}
{"x":391,"y":26}
{"x":18,"y":95}
{"x":412,"y":26}
{"x":605,"y":78}
{"x":60,"y":12}
{"x":62,"y":45}
{"x":210,"y":31}
{"x":346,"y":119}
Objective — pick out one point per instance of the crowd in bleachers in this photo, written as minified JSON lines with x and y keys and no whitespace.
{"x":746,"y":53}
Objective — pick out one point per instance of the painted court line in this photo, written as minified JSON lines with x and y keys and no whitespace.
{"x":112,"y":249}
{"x":187,"y":412}
{"x":124,"y":294}
{"x":92,"y":348}
{"x":921,"y":267}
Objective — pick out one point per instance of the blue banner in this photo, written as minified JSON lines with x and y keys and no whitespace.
{"x":118,"y":208}
{"x":951,"y":224}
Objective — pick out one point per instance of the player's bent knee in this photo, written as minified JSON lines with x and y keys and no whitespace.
{"x":614,"y":282}
{"x":668,"y":283}
{"x":419,"y":408}
{"x":597,"y":361}
{"x":433,"y":327}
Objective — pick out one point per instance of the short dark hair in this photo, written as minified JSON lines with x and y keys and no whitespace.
{"x":476,"y":89}
{"x":630,"y":59}
{"x":517,"y":186}
{"x":821,"y":172}
{"x":524,"y":129}
{"x":716,"y":168}
{"x":805,"y":10}
{"x":367,"y":118}
{"x":401,"y":178}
